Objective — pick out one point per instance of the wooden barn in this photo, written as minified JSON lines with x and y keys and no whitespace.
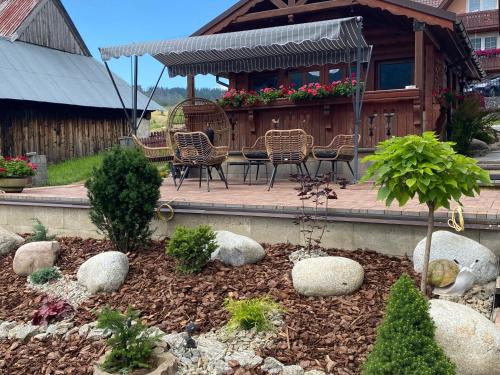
{"x":418,"y":49}
{"x":55,"y":98}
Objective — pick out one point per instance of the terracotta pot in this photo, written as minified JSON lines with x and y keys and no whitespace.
{"x":13,"y":184}
{"x":166,"y":365}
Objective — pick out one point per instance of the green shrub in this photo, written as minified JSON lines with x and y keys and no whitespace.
{"x":40,"y":232}
{"x":45,"y":275}
{"x":470,"y":120}
{"x":251,"y":313}
{"x":192,"y":248}
{"x":131,"y":343}
{"x":123,"y":193}
{"x":423,"y":167}
{"x":405,"y":343}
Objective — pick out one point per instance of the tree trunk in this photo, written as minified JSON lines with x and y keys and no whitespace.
{"x":427,"y":253}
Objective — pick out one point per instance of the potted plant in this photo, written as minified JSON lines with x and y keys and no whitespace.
{"x":15,"y":173}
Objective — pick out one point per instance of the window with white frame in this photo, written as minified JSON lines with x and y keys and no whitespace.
{"x":479,"y":5}
{"x":476,"y":43}
{"x":490,"y":42}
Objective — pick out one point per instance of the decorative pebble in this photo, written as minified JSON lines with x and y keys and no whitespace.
{"x":301,"y":254}
{"x":65,"y":288}
{"x":479,"y":298}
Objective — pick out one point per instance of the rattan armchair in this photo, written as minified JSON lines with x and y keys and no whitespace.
{"x":196,"y":151}
{"x":341,"y":148}
{"x":255,"y":155}
{"x":157,"y":150}
{"x":286,"y":147}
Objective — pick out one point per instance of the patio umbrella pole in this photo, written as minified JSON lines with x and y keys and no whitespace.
{"x":357,"y":106}
{"x":134,"y":96}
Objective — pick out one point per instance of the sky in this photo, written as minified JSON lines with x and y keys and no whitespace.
{"x":112,"y":22}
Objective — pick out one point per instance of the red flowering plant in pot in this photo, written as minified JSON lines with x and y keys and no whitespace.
{"x":237,"y":98}
{"x":14,"y":173}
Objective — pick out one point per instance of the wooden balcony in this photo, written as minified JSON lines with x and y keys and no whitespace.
{"x":487,"y":20}
{"x":491,"y":64}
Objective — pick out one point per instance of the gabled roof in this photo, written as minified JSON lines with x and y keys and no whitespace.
{"x":432,"y":3}
{"x":26,"y":20}
{"x":34,"y":73}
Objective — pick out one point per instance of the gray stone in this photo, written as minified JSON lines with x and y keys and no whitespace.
{"x":23,"y":331}
{"x":315,"y":372}
{"x":9,"y":241}
{"x":327,"y":276}
{"x":59,"y":328}
{"x":272,"y":365}
{"x":469,"y":339}
{"x":478,"y":147}
{"x":41,"y":336}
{"x":34,"y":256}
{"x":105,"y":272}
{"x":236,"y":250}
{"x":245,"y":358}
{"x":293,"y":370}
{"x":5,"y":327}
{"x":447,"y":245}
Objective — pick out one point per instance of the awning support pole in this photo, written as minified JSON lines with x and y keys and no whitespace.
{"x":117,"y":91}
{"x":134,"y":96}
{"x":151,"y":96}
{"x":357,"y":106}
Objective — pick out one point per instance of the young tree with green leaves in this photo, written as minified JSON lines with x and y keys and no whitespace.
{"x":422,"y":166}
{"x":405,"y":343}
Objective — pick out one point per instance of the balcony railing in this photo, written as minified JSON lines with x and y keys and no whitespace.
{"x":491,"y":63}
{"x":481,"y":21}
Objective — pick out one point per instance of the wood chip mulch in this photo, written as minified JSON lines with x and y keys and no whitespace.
{"x":332,"y":334}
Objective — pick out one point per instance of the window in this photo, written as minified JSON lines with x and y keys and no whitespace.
{"x":478,"y":5}
{"x":490,"y":42}
{"x":395,"y":74}
{"x":476,"y":43}
{"x":335,"y":74}
{"x":261,"y":81}
{"x":299,"y":78}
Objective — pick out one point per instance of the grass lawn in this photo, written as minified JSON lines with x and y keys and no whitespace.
{"x":73,"y":170}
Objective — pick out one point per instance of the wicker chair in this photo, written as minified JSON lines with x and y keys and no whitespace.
{"x":286,"y":147}
{"x":196,"y":150}
{"x":341,"y":148}
{"x":156,"y":148}
{"x":255,"y":155}
{"x":200,"y":115}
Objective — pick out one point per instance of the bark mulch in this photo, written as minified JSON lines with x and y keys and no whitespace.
{"x":333,"y":333}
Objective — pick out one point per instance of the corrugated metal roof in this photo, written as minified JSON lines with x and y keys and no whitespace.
{"x":34,"y":73}
{"x":13,"y":13}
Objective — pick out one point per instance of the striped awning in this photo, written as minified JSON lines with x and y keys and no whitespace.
{"x":292,"y":46}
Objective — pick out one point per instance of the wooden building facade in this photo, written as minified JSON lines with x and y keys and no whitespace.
{"x":55,"y":98}
{"x":418,"y":49}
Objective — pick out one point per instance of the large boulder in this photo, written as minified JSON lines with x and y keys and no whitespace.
{"x":104,"y":272}
{"x":469,"y":339}
{"x":236,"y":250}
{"x":9,"y":241}
{"x":34,"y":256}
{"x":327,"y":276}
{"x":447,"y":245}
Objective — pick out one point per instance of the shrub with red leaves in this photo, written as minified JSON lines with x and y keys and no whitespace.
{"x":52,"y":311}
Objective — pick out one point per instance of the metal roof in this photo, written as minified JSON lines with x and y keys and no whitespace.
{"x":13,"y":13}
{"x":34,"y":73}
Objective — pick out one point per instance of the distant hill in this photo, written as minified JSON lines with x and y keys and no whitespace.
{"x":169,"y":97}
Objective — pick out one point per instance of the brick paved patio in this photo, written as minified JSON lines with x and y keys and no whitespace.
{"x":356,"y":199}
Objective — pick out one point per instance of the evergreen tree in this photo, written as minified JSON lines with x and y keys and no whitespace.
{"x":405,"y":342}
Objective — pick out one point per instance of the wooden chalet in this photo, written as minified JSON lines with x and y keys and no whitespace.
{"x":418,"y":49}
{"x":55,"y":98}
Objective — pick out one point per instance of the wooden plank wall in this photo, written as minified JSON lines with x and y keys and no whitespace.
{"x":324,"y":122}
{"x":49,"y":28}
{"x":59,"y":132}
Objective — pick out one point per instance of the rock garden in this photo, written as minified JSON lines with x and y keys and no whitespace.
{"x":216,"y":302}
